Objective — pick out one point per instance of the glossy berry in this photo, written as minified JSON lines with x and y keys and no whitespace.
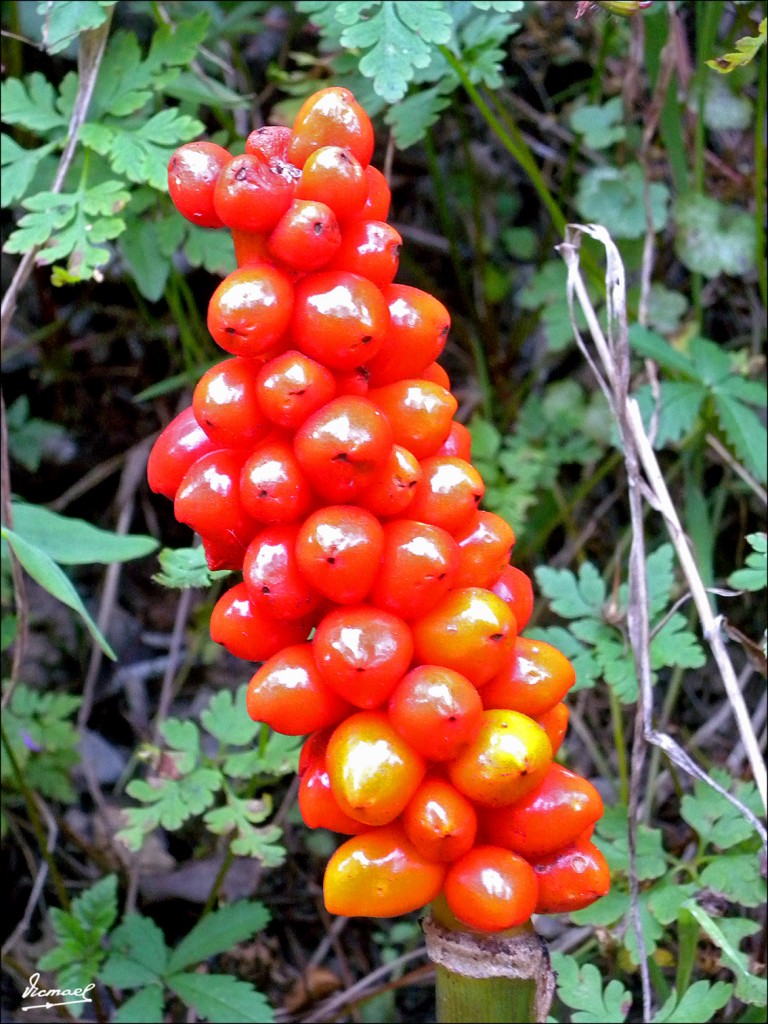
{"x":273,"y":487}
{"x":490,"y":889}
{"x":458,"y":444}
{"x":419,"y":412}
{"x":370,"y":248}
{"x":333,"y":176}
{"x":555,"y":724}
{"x":318,"y":806}
{"x":289,"y":694}
{"x":250,"y":195}
{"x":250,"y":310}
{"x":550,"y":817}
{"x":379,"y":196}
{"x":362,"y":653}
{"x":272,"y":575}
{"x":208,"y":499}
{"x":342,"y":445}
{"x":338,"y":549}
{"x":419,"y":325}
{"x":516,"y":589}
{"x":223,"y":553}
{"x":331,"y":117}
{"x":439,"y":821}
{"x":571,"y":879}
{"x":437,"y":375}
{"x":250,"y":634}
{"x":270,"y":142}
{"x":226,"y":405}
{"x":507,"y":759}
{"x":391,"y":489}
{"x":339,"y":319}
{"x":485,"y":545}
{"x":373,"y":771}
{"x":291,"y":387}
{"x":535,"y":679}
{"x":418,"y":566}
{"x":306,"y":236}
{"x":471,"y":631}
{"x":179,"y":444}
{"x":437,"y":710}
{"x":193,"y":171}
{"x":448,"y":492}
{"x":380,"y":874}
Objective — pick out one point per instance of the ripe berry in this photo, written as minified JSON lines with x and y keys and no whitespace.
{"x":306,"y":236}
{"x":339,"y":319}
{"x":485,"y":545}
{"x":379,"y":196}
{"x":555,"y":724}
{"x":571,"y":878}
{"x":273,"y":487}
{"x":250,"y":310}
{"x":448,"y":492}
{"x":516,"y":589}
{"x":208,"y":500}
{"x":391,"y":489}
{"x":419,"y":325}
{"x":535,"y":679}
{"x":226,"y":405}
{"x":318,"y":806}
{"x":250,"y":634}
{"x":272,"y":575}
{"x":338,"y":549}
{"x":270,"y":142}
{"x":292,"y":386}
{"x":250,"y":195}
{"x":419,"y":413}
{"x":437,"y":710}
{"x":439,"y":821}
{"x":179,"y":444}
{"x":370,"y":248}
{"x":491,"y":889}
{"x":331,"y":117}
{"x":373,"y":771}
{"x":333,"y":176}
{"x":193,"y":171}
{"x":289,"y":694}
{"x":418,"y":566}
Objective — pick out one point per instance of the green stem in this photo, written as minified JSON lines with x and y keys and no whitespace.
{"x":499,"y":978}
{"x":760,"y":169}
{"x":226,"y":864}
{"x":670,"y":699}
{"x":37,"y":825}
{"x":619,"y":742}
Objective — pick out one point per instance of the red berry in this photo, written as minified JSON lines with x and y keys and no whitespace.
{"x":418,"y":566}
{"x":448,"y":493}
{"x":370,"y":248}
{"x":306,"y":236}
{"x":338,"y":550}
{"x":226,"y":406}
{"x":458,"y":443}
{"x":250,"y":195}
{"x":270,"y":142}
{"x":289,"y":694}
{"x":419,"y":413}
{"x":379,"y":196}
{"x":250,"y":634}
{"x":193,"y":171}
{"x":250,"y":310}
{"x":272,"y":575}
{"x":485,"y":545}
{"x":292,"y":386}
{"x":516,"y":589}
{"x":331,"y":117}
{"x":571,"y":878}
{"x":332,"y":176}
{"x":536,"y":678}
{"x":208,"y":500}
{"x":437,"y":710}
{"x":491,"y":889}
{"x":273,"y":487}
{"x":391,"y":489}
{"x":179,"y":444}
{"x":439,"y":821}
{"x":419,"y":325}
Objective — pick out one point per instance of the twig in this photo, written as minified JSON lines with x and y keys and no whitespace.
{"x":723,"y":453}
{"x":17,"y":574}
{"x":174,"y":657}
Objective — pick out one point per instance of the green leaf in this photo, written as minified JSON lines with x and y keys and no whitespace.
{"x":73,"y":541}
{"x":241,"y":816}
{"x":601,"y":126}
{"x":226,"y":719}
{"x":19,"y":167}
{"x":80,"y":932}
{"x":211,"y":249}
{"x":47,"y":573}
{"x":581,"y":988}
{"x":754,"y":575}
{"x":30,"y":438}
{"x":570,"y":596}
{"x":413,"y":116}
{"x":186,"y":567}
{"x":31,"y":103}
{"x":737,"y":877}
{"x":613,"y":840}
{"x":745,"y":432}
{"x":142,"y":154}
{"x":678,"y":412}
{"x":138,"y":954}
{"x":666,"y":309}
{"x":749,"y":988}
{"x":716,"y":819}
{"x":712,"y":238}
{"x":665,"y":901}
{"x":279,"y":757}
{"x":66,"y":19}
{"x":144,"y":1007}
{"x":44,"y":740}
{"x":613,"y":196}
{"x":697,"y":1005}
{"x":724,"y":110}
{"x":651,"y":345}
{"x":222,"y":999}
{"x":745,"y":51}
{"x":150,"y":266}
{"x":660,"y":572}
{"x":675,"y":644}
{"x":217,"y":932}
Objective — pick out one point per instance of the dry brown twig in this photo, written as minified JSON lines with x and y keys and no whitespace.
{"x":646,"y":483}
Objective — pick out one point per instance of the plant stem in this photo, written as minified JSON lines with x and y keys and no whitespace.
{"x":760,"y":113}
{"x":621,"y":747}
{"x":500,"y":978}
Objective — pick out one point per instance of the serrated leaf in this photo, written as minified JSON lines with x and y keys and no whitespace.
{"x":31,"y":103}
{"x":279,"y":757}
{"x":172,"y":803}
{"x":712,"y":238}
{"x":29,"y":438}
{"x":737,"y":877}
{"x":219,"y":931}
{"x":222,"y":999}
{"x":571,"y":596}
{"x":66,"y":19}
{"x":186,"y":567}
{"x":608,"y":910}
{"x":19,"y":167}
{"x":138,"y":954}
{"x":241,"y":817}
{"x":211,"y":249}
{"x":144,"y":1007}
{"x":613,"y":196}
{"x":698,"y":1004}
{"x":678,"y":410}
{"x":651,"y":345}
{"x":613,"y":841}
{"x":746,"y":49}
{"x":675,"y":644}
{"x":142,"y":251}
{"x":660,"y":573}
{"x":80,"y":932}
{"x":754,"y":575}
{"x":665,"y":901}
{"x":226,"y":719}
{"x":47,"y":573}
{"x":581,"y":988}
{"x":745,"y":432}
{"x":142,"y":154}
{"x":70,"y":541}
{"x":411,"y":118}
{"x":716,"y":819}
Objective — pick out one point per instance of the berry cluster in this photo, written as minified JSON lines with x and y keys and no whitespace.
{"x":323,"y":461}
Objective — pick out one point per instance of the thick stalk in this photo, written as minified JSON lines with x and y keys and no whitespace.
{"x":501,"y":978}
